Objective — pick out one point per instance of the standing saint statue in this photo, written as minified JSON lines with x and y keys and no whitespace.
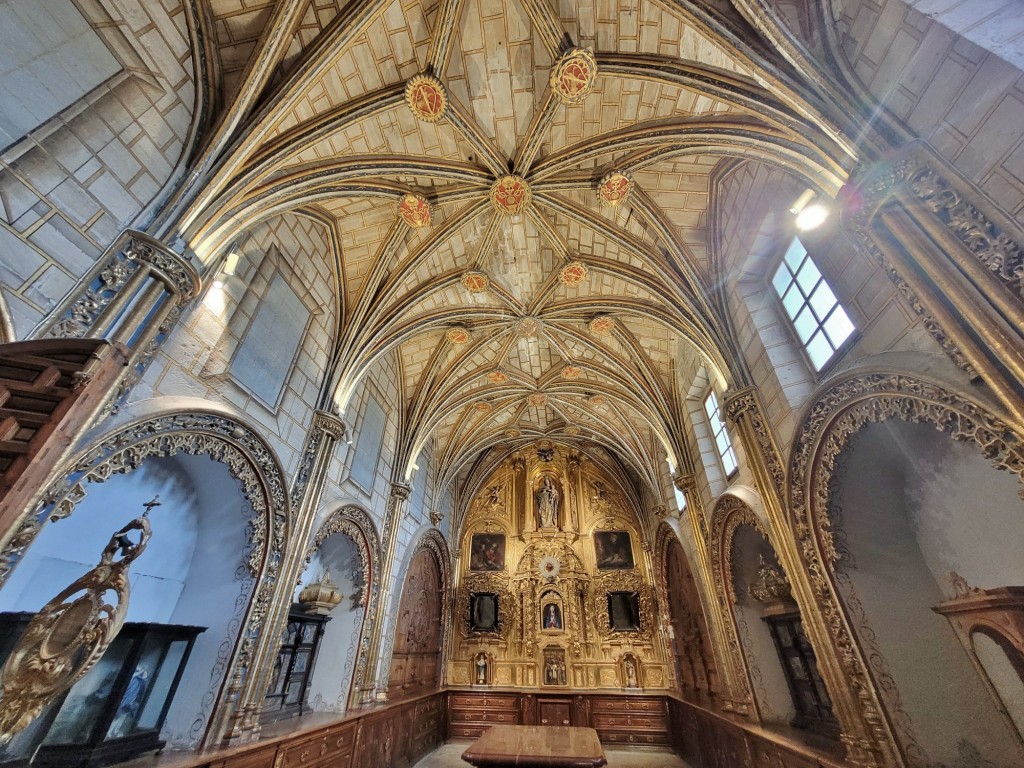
{"x":547,"y":503}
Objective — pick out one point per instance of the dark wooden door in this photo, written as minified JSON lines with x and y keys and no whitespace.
{"x":416,"y":658}
{"x":691,"y":644}
{"x":554,"y":711}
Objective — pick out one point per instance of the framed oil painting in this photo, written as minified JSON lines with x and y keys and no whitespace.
{"x":487,"y":552}
{"x":624,"y":611}
{"x":613,"y":549}
{"x":483,"y":612}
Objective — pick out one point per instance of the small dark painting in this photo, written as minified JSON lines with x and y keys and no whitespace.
{"x":487,"y":552}
{"x":614,"y":550}
{"x":624,"y":611}
{"x":483,"y":612}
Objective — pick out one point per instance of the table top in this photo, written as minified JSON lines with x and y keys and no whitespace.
{"x":532,"y":746}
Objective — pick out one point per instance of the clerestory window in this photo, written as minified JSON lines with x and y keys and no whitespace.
{"x":722,"y":442}
{"x":818,"y":318}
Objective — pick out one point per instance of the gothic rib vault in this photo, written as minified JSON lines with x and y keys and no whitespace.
{"x":518,"y":197}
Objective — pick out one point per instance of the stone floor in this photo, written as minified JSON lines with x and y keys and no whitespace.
{"x":449,"y":756}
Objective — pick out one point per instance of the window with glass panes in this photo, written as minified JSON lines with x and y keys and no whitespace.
{"x":820,"y":321}
{"x":722,"y":442}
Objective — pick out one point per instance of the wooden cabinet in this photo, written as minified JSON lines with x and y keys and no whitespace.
{"x":630,"y":720}
{"x":554,"y":711}
{"x":470,"y":714}
{"x":293,"y":668}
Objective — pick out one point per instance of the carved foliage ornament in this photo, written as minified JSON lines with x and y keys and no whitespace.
{"x":70,"y":633}
{"x":837,"y":415}
{"x":129,"y":253}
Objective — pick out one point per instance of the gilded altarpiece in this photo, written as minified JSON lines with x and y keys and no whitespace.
{"x":557,"y":543}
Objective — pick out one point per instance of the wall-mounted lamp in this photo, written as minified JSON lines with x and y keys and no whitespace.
{"x":227,"y":270}
{"x":809,"y":213}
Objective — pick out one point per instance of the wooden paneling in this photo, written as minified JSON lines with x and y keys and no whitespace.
{"x":416,"y":657}
{"x":706,"y":739}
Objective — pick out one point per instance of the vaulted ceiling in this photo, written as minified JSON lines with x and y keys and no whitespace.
{"x":520,"y":193}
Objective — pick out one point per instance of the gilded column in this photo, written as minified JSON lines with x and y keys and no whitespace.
{"x":955,"y":258}
{"x":519,"y":493}
{"x":726,"y":650}
{"x":375,"y":688}
{"x":324,"y":434}
{"x":134,"y":295}
{"x":865,"y":733}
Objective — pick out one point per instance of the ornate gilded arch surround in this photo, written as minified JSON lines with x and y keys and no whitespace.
{"x":729,"y":514}
{"x":262,"y":482}
{"x":357,"y":524}
{"x":838,"y":413}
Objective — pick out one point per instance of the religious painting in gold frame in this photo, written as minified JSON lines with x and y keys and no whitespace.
{"x":487,"y":552}
{"x":613,"y":550}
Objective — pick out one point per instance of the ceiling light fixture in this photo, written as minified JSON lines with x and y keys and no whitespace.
{"x":809,"y":213}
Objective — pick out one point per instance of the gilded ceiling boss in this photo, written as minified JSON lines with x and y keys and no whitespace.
{"x":392,"y":383}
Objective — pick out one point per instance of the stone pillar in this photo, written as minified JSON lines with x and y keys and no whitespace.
{"x":134,"y":295}
{"x":375,"y":687}
{"x":728,"y":657}
{"x":324,"y":434}
{"x":955,"y":258}
{"x":864,"y":732}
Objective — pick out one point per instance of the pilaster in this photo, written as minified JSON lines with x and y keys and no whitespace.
{"x":324,"y":434}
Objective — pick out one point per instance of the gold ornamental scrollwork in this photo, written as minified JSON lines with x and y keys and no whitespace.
{"x":70,"y":633}
{"x":493,"y":583}
{"x":606,"y":582}
{"x":838,"y":414}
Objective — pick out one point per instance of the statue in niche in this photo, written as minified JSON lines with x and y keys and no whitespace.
{"x":631,"y":677}
{"x":554,"y":670}
{"x":547,"y":503}
{"x":481,"y":668}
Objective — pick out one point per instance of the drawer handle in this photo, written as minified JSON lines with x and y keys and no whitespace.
{"x":565,"y":722}
{"x":304,"y":756}
{"x":544,"y":721}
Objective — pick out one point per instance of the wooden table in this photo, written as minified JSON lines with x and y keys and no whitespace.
{"x":533,"y":746}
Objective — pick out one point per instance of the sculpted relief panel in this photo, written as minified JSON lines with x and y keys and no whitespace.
{"x":554,"y":587}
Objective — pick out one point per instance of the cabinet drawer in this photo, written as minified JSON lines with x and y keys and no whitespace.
{"x":484,"y":716}
{"x":640,"y":721}
{"x":306,"y":753}
{"x":629,"y":737}
{"x":496,"y":701}
{"x":629,"y":705}
{"x":462,"y":731}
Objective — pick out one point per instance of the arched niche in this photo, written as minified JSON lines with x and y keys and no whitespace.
{"x":421,"y":620}
{"x":227,"y":463}
{"x":346,"y":546}
{"x":193,"y":573}
{"x":889,"y":493}
{"x":739,"y":544}
{"x":696,"y":670}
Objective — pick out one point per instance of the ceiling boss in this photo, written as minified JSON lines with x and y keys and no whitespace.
{"x":573,"y":76}
{"x":414,"y":210}
{"x":426,"y":97}
{"x":614,"y":188}
{"x":511,"y":194}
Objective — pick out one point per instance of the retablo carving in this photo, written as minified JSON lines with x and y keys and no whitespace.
{"x":614,"y":188}
{"x":71,"y":632}
{"x":574,"y":75}
{"x":414,"y":210}
{"x":511,"y":194}
{"x":426,"y":98}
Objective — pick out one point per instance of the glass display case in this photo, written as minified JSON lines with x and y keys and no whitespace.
{"x":117,"y":710}
{"x":293,"y":668}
